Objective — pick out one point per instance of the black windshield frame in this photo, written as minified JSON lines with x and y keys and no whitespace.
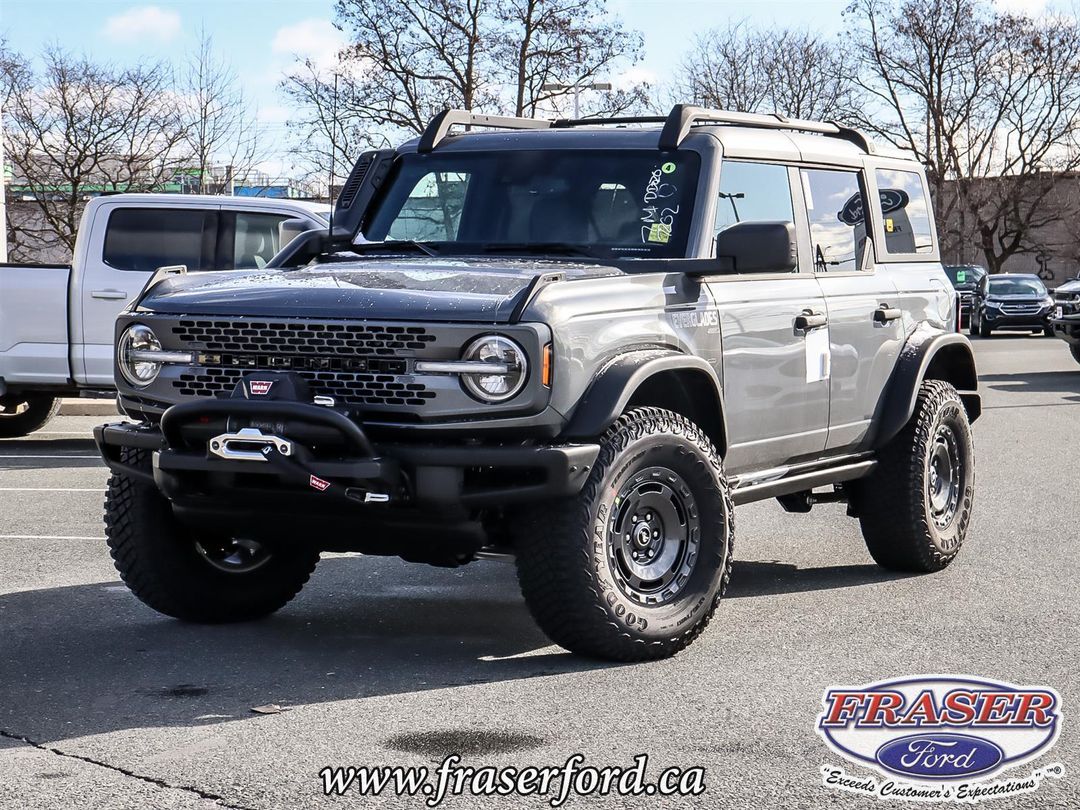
{"x":573,"y":203}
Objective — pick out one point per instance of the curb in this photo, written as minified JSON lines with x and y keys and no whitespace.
{"x":77,"y":406}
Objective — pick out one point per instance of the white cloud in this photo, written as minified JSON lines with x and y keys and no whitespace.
{"x":142,"y":23}
{"x":1032,"y":8}
{"x":315,"y":39}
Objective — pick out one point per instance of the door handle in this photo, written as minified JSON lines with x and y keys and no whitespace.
{"x":810,"y":320}
{"x":885,"y":313}
{"x":109,"y":295}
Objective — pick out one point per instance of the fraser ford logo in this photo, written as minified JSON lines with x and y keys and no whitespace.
{"x":940,"y":737}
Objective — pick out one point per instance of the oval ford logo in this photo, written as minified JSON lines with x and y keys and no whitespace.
{"x":940,"y":728}
{"x":939,"y":756}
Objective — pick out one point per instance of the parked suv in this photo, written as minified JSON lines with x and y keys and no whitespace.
{"x":578,"y":344}
{"x":1011,"y":301}
{"x":965,"y":278}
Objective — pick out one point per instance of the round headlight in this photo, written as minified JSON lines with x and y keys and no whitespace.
{"x":138,"y":338}
{"x":509,"y":368}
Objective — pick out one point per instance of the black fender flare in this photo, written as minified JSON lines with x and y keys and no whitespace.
{"x":927,"y":354}
{"x":614,"y":386}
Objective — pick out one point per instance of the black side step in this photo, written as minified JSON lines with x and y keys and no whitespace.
{"x":800,"y":481}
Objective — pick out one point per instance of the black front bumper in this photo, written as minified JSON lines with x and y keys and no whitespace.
{"x":1067,"y":328}
{"x":335,"y":467}
{"x":1000,"y":320}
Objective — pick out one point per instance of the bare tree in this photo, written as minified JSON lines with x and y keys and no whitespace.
{"x":990,"y":102}
{"x":81,"y":128}
{"x":549,"y":49}
{"x":410,"y":59}
{"x":793,"y":72}
{"x":221,"y":127}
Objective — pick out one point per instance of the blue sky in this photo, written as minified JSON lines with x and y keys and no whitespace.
{"x":262,"y":37}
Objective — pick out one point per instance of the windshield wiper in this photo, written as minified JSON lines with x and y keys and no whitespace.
{"x":531,"y":248}
{"x":395,"y":245}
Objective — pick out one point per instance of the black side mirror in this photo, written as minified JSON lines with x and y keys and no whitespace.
{"x":758,"y":247}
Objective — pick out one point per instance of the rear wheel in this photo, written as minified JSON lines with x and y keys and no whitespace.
{"x":632,"y":568}
{"x":197,"y":577}
{"x":916,"y":506}
{"x":23,"y":414}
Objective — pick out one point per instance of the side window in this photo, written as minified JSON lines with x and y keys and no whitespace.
{"x":144,"y":239}
{"x":905,"y":212}
{"x":753,"y":192}
{"x":432,"y":211}
{"x":834,"y":206}
{"x":257,"y":239}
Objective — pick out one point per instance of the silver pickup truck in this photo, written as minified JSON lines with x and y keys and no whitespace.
{"x":56,"y":321}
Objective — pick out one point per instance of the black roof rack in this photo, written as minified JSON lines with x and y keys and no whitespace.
{"x":683,"y":116}
{"x":440,"y":125}
{"x":677,"y":124}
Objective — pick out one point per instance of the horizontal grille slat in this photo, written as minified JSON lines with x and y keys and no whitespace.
{"x":307,"y":337}
{"x":345,"y":388}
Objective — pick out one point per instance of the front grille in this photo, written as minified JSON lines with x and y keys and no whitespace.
{"x":356,"y":363}
{"x":300,"y":337}
{"x":1020,"y":309}
{"x":346,"y":388}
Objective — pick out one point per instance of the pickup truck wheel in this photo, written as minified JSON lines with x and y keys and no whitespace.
{"x":20,"y":415}
{"x":632,"y":568}
{"x":196,"y":578}
{"x":916,"y":506}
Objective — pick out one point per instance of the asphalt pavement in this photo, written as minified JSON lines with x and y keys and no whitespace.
{"x":105,"y":704}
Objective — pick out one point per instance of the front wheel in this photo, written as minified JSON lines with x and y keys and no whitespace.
{"x":973,"y":324}
{"x":23,"y":414}
{"x":1074,"y":350}
{"x":633,"y":567}
{"x":916,"y":506}
{"x":984,"y":328}
{"x":196,"y":577}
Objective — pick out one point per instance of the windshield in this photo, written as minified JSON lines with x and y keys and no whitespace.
{"x":964,"y":275}
{"x":617,"y":203}
{"x":1016,"y":286}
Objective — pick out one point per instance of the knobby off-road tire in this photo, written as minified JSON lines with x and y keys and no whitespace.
{"x":916,"y":506}
{"x":38,"y":411}
{"x":191,"y":577}
{"x":658,"y":490}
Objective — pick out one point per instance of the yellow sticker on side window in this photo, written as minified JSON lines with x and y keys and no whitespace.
{"x":888,"y":225}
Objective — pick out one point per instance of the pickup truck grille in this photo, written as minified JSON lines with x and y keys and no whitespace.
{"x":300,"y":337}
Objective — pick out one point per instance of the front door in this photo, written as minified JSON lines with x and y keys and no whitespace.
{"x":137,"y":241}
{"x":776,"y":389}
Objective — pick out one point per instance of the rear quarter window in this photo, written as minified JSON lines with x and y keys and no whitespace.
{"x":905,"y":212}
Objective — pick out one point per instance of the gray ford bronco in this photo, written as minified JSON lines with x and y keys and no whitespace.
{"x":579,"y":343}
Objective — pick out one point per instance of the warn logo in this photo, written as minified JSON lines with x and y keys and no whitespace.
{"x":260,"y":388}
{"x":318,"y":483}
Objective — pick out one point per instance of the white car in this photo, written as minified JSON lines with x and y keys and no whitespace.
{"x":56,"y":321}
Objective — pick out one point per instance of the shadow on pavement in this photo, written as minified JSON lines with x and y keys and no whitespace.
{"x":772,"y":577}
{"x":1055,"y":382}
{"x":90,"y":659}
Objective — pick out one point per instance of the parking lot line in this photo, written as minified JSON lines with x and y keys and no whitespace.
{"x":52,"y":489}
{"x":50,"y":537}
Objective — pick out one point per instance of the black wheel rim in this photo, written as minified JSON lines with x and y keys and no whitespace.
{"x":944,"y":476}
{"x":653,"y":536}
{"x":233,"y":555}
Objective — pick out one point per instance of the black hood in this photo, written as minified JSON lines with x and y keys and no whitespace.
{"x":440,"y":289}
